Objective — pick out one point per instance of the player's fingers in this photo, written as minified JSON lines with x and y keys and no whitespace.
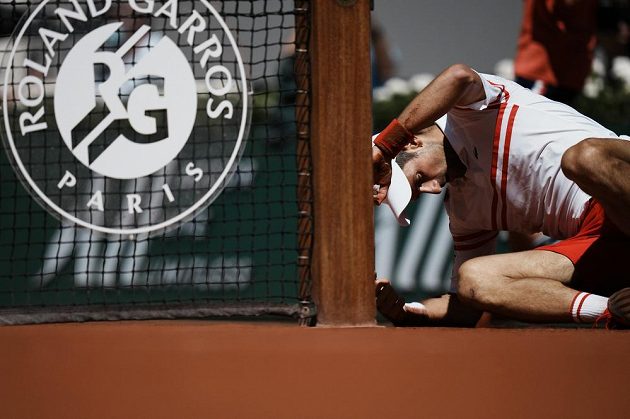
{"x":415,"y":308}
{"x":382,"y":281}
{"x":390,"y":304}
{"x":381,"y":168}
{"x":380,"y":196}
{"x":386,"y":297}
{"x":375,"y":190}
{"x":394,"y":309}
{"x":384,"y":288}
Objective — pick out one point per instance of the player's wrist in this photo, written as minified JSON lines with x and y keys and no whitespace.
{"x":393,"y":139}
{"x":393,"y":308}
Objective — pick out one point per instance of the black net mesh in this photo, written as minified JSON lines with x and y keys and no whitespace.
{"x":239,"y":209}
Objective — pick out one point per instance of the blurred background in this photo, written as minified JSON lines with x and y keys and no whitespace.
{"x":426,"y":36}
{"x":572,"y":51}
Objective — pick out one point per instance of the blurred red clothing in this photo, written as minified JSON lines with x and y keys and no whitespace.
{"x":557,"y":41}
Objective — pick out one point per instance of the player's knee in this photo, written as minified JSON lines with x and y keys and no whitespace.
{"x":476,"y":285}
{"x":581,"y":160}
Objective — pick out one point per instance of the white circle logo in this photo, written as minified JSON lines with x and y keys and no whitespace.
{"x":128,"y":118}
{"x":176,"y":105}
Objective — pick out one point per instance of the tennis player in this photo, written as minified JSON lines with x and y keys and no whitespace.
{"x":517,"y":161}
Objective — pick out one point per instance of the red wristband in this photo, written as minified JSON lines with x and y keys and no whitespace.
{"x":393,"y":139}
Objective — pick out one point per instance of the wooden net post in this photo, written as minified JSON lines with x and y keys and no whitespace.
{"x":341,"y":126}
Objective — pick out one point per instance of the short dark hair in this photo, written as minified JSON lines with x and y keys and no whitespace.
{"x":404,"y":156}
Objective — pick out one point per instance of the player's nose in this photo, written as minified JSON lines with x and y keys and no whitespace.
{"x":431,"y":186}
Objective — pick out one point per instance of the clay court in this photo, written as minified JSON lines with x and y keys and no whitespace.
{"x":272,"y":243}
{"x":201,"y":369}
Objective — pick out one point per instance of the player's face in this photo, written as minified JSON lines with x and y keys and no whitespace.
{"x":426,"y":172}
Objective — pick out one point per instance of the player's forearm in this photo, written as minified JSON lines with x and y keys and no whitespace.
{"x":448,"y":310}
{"x":457,"y":85}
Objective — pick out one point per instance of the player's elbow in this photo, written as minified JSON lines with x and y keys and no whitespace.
{"x":461,"y":74}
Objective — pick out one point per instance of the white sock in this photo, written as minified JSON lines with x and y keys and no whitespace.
{"x":586,"y":308}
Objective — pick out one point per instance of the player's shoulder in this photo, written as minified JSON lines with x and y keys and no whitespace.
{"x":510,"y":86}
{"x":495,"y":80}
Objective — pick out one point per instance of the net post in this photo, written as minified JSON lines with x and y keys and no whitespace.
{"x":341,"y":121}
{"x":302,"y":68}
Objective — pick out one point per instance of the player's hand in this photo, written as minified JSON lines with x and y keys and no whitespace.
{"x":391,"y":141}
{"x":382,"y":175}
{"x":394,"y":308}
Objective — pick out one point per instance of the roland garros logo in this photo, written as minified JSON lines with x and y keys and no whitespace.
{"x":122,"y":102}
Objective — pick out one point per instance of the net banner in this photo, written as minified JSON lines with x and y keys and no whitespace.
{"x":154,"y":159}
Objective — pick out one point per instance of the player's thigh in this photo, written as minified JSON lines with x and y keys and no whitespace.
{"x":531,"y":264}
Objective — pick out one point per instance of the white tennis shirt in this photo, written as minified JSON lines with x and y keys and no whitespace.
{"x":512,"y":143}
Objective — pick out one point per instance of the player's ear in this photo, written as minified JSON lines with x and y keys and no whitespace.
{"x":414,"y":144}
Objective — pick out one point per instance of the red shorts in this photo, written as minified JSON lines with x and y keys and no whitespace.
{"x":598,"y":251}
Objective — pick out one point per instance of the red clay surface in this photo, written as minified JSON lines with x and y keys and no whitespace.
{"x":265,"y":370}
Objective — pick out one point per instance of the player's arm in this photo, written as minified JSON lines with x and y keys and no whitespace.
{"x":458,"y":85}
{"x":445,"y":310}
{"x":448,"y":310}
